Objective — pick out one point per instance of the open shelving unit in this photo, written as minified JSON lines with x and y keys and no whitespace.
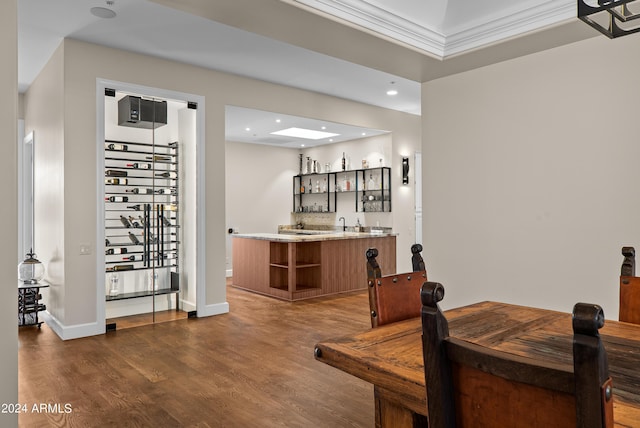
{"x":295,"y":266}
{"x":370,"y":189}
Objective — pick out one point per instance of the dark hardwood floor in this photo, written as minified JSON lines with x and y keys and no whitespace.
{"x":253,"y":367}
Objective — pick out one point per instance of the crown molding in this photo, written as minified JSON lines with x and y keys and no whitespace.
{"x":444,"y":43}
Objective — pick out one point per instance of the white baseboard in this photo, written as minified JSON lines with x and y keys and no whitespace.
{"x":75,"y":331}
{"x":217,"y":309}
{"x":187,"y":306}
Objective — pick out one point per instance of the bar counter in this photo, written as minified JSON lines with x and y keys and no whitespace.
{"x":307,"y":264}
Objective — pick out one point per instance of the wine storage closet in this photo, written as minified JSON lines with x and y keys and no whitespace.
{"x":141,"y":209}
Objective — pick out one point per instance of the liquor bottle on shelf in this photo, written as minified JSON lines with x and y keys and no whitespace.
{"x":133,"y":258}
{"x":118,"y":147}
{"x":120,"y":181}
{"x":167,"y":174}
{"x":115,"y":173}
{"x":125,"y":221}
{"x":138,"y":190}
{"x":137,"y":165}
{"x":123,"y":267}
{"x":135,"y":207}
{"x":371,"y":185}
{"x":117,"y":199}
{"x":111,"y":251}
{"x":301,"y":187}
{"x":134,"y":239}
{"x":310,"y":187}
{"x":344,"y":162}
{"x":317,"y":186}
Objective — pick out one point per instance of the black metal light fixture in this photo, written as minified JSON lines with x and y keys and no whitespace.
{"x":613,"y":18}
{"x":405,"y":170}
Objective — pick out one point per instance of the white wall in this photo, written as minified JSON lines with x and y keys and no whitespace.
{"x":530,"y":176}
{"x":258,"y":189}
{"x":9,"y":231}
{"x":84,"y":63}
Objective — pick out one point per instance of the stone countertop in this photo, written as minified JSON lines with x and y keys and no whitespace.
{"x":306,"y":236}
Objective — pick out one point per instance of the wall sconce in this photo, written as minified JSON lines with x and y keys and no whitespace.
{"x":613,"y":18}
{"x":405,"y":170}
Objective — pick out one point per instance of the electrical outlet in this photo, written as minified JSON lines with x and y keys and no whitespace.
{"x":85,"y":249}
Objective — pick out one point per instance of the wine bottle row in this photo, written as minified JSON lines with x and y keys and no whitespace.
{"x":141,"y":206}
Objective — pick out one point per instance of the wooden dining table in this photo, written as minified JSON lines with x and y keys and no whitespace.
{"x":390,"y":357}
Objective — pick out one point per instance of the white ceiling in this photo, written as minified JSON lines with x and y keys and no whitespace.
{"x":299,"y":43}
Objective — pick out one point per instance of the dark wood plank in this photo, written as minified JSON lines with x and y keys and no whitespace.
{"x":391,"y":356}
{"x":253,"y":367}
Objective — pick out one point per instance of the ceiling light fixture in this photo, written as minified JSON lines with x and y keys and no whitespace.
{"x":393,"y":91}
{"x":308,"y":134}
{"x":613,"y":18}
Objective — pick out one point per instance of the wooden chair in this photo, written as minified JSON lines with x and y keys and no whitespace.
{"x":629,"y":288}
{"x":473,"y":386}
{"x":394,"y":297}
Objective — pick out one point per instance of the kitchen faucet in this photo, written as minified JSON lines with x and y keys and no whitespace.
{"x":344,"y":224}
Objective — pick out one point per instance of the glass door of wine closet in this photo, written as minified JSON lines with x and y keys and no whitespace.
{"x":142,"y":209}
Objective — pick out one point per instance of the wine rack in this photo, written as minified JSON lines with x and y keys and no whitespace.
{"x":142,"y":223}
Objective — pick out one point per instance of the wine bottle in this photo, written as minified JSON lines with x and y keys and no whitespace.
{"x":137,"y":190}
{"x":135,"y":223}
{"x":115,"y":173}
{"x":310,"y":186}
{"x":139,"y":165}
{"x":121,"y":181}
{"x":166,"y":191}
{"x":133,"y":258}
{"x":166,"y":221}
{"x":134,"y":239}
{"x":169,"y":256}
{"x":107,"y":242}
{"x":119,"y":147}
{"x":125,"y":221}
{"x":117,"y":199}
{"x":159,"y":158}
{"x":122,"y":267}
{"x":135,"y":207}
{"x":110,"y":251}
{"x":167,"y":174}
{"x":344,"y":162}
{"x":301,"y":187}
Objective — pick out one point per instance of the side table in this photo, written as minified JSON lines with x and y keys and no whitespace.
{"x":29,"y":303}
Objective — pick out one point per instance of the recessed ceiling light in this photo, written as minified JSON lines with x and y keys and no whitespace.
{"x":301,"y":145}
{"x":102,"y":12}
{"x":247,"y":129}
{"x":308,"y":134}
{"x":364,"y":133}
{"x":324,"y":127}
{"x":392,"y":91}
{"x":278,"y":120}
